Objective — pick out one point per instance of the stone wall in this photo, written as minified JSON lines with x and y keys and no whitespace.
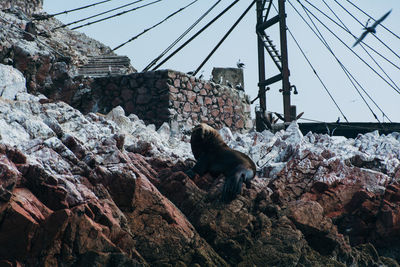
{"x":28,"y":6}
{"x":196,"y":100}
{"x":143,"y":94}
{"x":170,"y":96}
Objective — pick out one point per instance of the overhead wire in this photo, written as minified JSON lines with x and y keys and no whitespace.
{"x":351,"y":77}
{"x":116,"y":15}
{"x":163,"y":53}
{"x":155,"y":25}
{"x":373,"y":19}
{"x":362,"y":88}
{"x":361,"y":44}
{"x":358,"y":56}
{"x":71,"y":10}
{"x":343,"y":28}
{"x":345,"y":70}
{"x":224,"y":37}
{"x":154,"y":61}
{"x":391,"y":50}
{"x":198,"y":33}
{"x":314,"y":70}
{"x":96,"y":15}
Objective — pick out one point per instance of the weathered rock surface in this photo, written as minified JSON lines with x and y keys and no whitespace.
{"x":72,"y":195}
{"x":86,"y":190}
{"x":12,"y":82}
{"x":47,"y":54}
{"x":107,"y":190}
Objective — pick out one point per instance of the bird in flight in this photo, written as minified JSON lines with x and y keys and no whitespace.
{"x":371,"y":29}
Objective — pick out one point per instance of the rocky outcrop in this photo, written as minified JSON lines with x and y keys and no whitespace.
{"x":87,"y":190}
{"x":12,"y":82}
{"x":72,"y":195}
{"x":47,"y":57}
{"x":27,"y":6}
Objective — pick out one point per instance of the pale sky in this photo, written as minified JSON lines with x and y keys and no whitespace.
{"x":312,"y":99}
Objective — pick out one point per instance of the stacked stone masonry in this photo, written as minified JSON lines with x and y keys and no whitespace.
{"x":173,"y":97}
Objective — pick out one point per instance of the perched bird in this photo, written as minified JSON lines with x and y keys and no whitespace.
{"x":240,"y":64}
{"x":371,"y":29}
{"x":201,"y":75}
{"x":239,"y":87}
{"x":228,"y":83}
{"x":190,"y":72}
{"x":338,"y":120}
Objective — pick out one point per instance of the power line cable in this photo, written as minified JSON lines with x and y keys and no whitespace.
{"x":373,"y":19}
{"x":197,"y":34}
{"x":345,"y":70}
{"x":362,"y":45}
{"x":359,"y":57}
{"x":362,"y":88}
{"x":96,"y":15}
{"x":314,"y":71}
{"x":116,"y":15}
{"x":71,"y":10}
{"x":224,"y":38}
{"x":343,"y":28}
{"x":391,"y":50}
{"x":155,"y":25}
{"x":154,"y":61}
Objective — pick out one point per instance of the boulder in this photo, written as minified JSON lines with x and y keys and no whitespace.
{"x":12,"y":82}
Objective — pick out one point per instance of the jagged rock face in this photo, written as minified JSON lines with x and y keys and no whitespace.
{"x":47,"y":58}
{"x":87,"y":190}
{"x":28,"y":6}
{"x":12,"y":82}
{"x":71,"y":195}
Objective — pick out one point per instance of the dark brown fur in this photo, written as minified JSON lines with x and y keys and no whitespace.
{"x":214,"y":156}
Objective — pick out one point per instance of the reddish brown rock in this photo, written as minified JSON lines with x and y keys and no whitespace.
{"x":191,"y":96}
{"x":177,"y":83}
{"x":228,"y":121}
{"x":215,"y":112}
{"x":207,"y":100}
{"x":228,"y":110}
{"x":239,"y":124}
{"x":221,"y":102}
{"x":187,"y":107}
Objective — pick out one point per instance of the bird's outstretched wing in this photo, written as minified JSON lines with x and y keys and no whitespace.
{"x":360,"y":38}
{"x":377,"y":22}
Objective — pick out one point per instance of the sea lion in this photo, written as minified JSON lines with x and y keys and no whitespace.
{"x":214,"y":156}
